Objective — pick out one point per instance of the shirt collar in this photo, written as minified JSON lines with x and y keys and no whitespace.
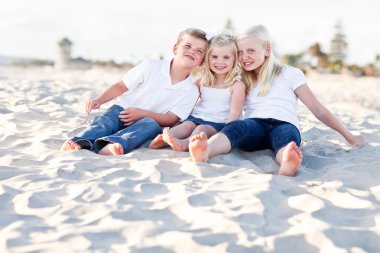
{"x":183,"y":85}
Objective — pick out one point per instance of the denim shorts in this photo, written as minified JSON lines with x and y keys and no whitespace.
{"x":257,"y":134}
{"x":198,"y":121}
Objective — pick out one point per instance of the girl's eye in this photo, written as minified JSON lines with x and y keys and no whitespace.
{"x":214,"y":57}
{"x":226,"y":57}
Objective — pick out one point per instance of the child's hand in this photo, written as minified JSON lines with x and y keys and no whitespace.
{"x":357,"y":140}
{"x":131,"y":115}
{"x":92,"y":104}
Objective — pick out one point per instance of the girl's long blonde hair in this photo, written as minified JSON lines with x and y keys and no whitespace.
{"x":234,"y":74}
{"x":270,"y":67}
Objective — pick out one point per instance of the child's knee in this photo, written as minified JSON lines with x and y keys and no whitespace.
{"x":203,"y":128}
{"x":189,"y":125}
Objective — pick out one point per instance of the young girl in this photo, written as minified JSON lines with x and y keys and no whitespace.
{"x":221,"y":100}
{"x":270,"y":120}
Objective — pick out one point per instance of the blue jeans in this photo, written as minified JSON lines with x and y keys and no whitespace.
{"x":109,"y":128}
{"x":257,"y":134}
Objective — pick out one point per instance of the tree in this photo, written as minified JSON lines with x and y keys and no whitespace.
{"x":321,"y":58}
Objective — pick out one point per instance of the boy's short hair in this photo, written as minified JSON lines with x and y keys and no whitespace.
{"x":194,"y":32}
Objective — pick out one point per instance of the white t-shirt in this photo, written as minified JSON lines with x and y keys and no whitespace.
{"x":150,"y":88}
{"x":281,"y":101}
{"x":214,"y":104}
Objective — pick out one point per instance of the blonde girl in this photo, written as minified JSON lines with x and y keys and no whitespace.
{"x":222,"y":95}
{"x":270,"y":119}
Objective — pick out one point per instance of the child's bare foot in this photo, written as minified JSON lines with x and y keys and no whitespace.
{"x":198,"y":147}
{"x":175,"y":143}
{"x":112,"y":149}
{"x":70,"y":145}
{"x":291,"y":160}
{"x":158,"y":143}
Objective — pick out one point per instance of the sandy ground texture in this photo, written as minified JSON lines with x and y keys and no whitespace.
{"x":159,"y":201}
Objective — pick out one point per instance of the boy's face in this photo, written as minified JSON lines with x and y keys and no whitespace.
{"x":190,"y":51}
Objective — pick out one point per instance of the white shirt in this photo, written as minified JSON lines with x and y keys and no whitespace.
{"x":281,"y":101}
{"x":150,"y":88}
{"x":214,"y":104}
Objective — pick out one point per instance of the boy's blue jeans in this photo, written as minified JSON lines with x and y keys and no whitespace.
{"x":257,"y":134}
{"x":109,"y":128}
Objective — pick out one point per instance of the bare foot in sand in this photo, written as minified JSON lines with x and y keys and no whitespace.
{"x":112,"y":149}
{"x":70,"y":145}
{"x":175,"y":143}
{"x":198,"y":147}
{"x":291,"y":160}
{"x":158,"y":143}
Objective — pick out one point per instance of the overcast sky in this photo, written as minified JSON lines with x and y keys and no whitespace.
{"x":126,"y":30}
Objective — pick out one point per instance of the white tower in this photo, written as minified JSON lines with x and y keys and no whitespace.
{"x":64,"y":54}
{"x":338,"y":44}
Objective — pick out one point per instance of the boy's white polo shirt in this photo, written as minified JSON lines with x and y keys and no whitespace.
{"x":150,"y":88}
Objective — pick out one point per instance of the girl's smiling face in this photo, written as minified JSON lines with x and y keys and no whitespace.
{"x":252,"y":53}
{"x":221,"y":59}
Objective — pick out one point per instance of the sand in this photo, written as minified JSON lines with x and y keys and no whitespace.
{"x":160,"y":201}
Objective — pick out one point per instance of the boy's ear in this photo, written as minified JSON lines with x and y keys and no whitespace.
{"x":175,"y":48}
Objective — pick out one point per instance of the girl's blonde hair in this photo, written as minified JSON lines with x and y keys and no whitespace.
{"x":234,"y":74}
{"x":269,"y":69}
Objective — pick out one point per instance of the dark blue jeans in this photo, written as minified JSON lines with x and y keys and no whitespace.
{"x":257,"y":134}
{"x":109,"y":128}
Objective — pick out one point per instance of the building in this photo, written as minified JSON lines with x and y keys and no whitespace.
{"x":64,"y":60}
{"x":338,"y":44}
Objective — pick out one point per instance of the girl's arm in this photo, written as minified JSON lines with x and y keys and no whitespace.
{"x":237,"y":101}
{"x":110,"y":93}
{"x":307,"y":97}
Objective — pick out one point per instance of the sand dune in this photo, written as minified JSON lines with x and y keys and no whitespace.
{"x":159,"y":201}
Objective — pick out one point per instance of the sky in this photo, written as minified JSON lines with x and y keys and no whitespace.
{"x":132,"y":30}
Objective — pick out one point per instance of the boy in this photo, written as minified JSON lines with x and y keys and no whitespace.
{"x":153,"y":94}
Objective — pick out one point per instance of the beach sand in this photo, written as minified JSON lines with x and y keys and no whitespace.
{"x":160,"y":201}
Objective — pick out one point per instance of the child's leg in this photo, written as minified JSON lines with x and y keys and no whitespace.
{"x":101,"y":126}
{"x":201,"y":148}
{"x":70,"y":145}
{"x":183,"y":145}
{"x":285,"y":139}
{"x":247,"y":133}
{"x":208,"y":130}
{"x":289,"y":158}
{"x":157,"y":143}
{"x":112,"y":149}
{"x":177,"y":137}
{"x":180,"y":131}
{"x":128,"y":138}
